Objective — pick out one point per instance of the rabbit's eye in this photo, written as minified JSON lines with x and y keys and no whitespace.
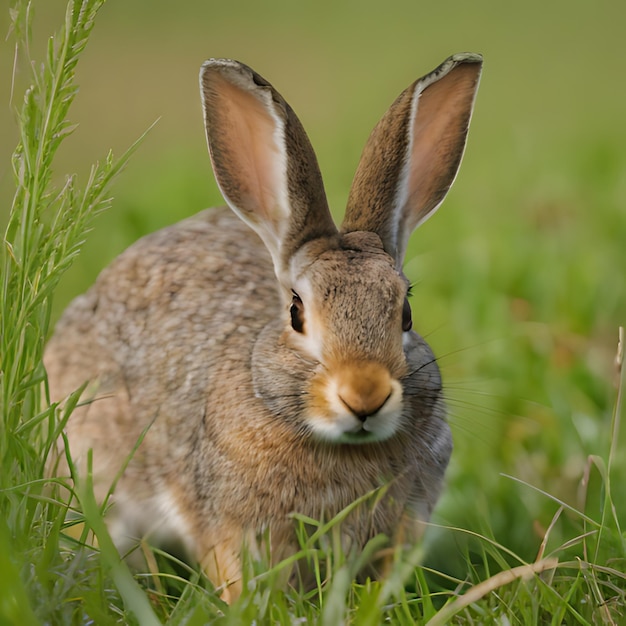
{"x":407,"y":321}
{"x":297,"y":313}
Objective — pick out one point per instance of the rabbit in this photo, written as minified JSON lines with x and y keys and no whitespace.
{"x":255,"y":361}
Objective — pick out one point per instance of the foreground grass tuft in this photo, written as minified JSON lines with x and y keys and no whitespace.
{"x":46,"y":228}
{"x":48,"y":575}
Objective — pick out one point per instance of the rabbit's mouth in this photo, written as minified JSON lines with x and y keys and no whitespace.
{"x":359,"y":437}
{"x":345,"y":428}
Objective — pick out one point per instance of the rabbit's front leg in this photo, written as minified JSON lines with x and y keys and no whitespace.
{"x":221,"y":562}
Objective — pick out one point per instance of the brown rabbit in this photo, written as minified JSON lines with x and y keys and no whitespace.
{"x":267,"y":356}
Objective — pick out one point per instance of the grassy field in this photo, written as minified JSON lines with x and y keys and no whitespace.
{"x":520,"y":290}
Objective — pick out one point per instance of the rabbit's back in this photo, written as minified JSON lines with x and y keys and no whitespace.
{"x":170,"y":314}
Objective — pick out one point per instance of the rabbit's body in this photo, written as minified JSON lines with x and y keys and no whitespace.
{"x":267,"y":375}
{"x":162,"y":342}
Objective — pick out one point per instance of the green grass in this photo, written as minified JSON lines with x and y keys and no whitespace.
{"x":519,"y":288}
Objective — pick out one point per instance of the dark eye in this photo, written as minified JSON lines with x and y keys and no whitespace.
{"x":407,"y":322}
{"x":297,"y":313}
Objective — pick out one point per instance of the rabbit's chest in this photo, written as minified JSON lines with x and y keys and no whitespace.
{"x":322,"y":488}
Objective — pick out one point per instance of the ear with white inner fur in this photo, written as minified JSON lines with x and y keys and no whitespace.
{"x":413,"y":154}
{"x":262,"y":158}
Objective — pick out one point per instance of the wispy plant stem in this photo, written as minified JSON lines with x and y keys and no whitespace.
{"x":45,"y":231}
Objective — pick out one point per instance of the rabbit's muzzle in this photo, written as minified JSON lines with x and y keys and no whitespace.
{"x":355,"y":402}
{"x":364,"y":390}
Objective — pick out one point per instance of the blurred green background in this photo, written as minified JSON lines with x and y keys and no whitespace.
{"x":519,"y":278}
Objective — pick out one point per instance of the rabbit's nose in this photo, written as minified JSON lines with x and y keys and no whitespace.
{"x":364,"y":388}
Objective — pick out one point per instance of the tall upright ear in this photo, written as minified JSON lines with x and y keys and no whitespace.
{"x":262,"y":158}
{"x":413,"y":154}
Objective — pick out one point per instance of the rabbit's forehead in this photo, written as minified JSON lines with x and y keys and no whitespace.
{"x":353,"y":303}
{"x":341,"y":277}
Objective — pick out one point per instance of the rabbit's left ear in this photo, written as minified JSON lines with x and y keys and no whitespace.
{"x":413,"y":154}
{"x":262,"y":158}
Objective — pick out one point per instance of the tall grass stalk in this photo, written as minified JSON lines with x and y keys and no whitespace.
{"x":46,"y":228}
{"x":45,"y":231}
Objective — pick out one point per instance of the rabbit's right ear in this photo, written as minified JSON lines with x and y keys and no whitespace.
{"x":413,"y":154}
{"x":262,"y":158}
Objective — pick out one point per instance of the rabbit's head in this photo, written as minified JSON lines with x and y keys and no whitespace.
{"x":346,"y":332}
